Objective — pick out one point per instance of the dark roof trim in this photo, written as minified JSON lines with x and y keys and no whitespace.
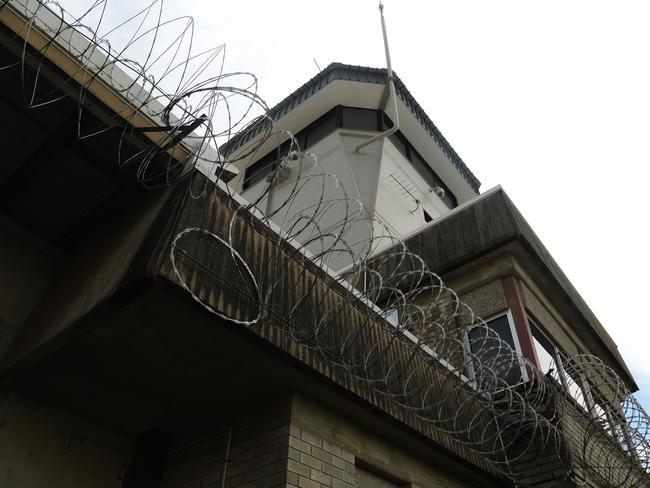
{"x":338,"y":71}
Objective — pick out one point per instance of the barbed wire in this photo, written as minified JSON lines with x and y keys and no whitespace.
{"x":437,"y":360}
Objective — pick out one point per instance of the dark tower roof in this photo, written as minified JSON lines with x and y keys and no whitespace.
{"x":339,"y":71}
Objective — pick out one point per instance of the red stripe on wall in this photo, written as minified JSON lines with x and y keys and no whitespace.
{"x":515,"y":301}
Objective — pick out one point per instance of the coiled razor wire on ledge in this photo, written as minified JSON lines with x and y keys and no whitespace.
{"x":452,"y":372}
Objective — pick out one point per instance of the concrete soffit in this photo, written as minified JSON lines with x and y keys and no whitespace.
{"x":102,"y":86}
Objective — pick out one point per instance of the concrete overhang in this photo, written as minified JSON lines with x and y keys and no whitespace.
{"x":489,"y":225}
{"x":54,"y":182}
{"x":128,"y":346}
{"x":76,"y":65}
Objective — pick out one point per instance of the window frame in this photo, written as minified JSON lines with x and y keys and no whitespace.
{"x":558,"y":352}
{"x":535,"y":327}
{"x":592,"y":404}
{"x":471,"y":371}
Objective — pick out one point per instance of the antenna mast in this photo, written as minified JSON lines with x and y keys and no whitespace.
{"x":391,"y":87}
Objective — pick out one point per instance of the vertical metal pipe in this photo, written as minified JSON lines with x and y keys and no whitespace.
{"x":389,"y":66}
{"x":227,"y":460}
{"x":391,"y":88}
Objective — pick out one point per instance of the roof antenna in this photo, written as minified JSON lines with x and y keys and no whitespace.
{"x":391,"y":87}
{"x":319,"y":70}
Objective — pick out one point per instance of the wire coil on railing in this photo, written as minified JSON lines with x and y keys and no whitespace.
{"x":437,"y":359}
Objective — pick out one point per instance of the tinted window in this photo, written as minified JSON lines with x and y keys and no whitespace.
{"x":423,"y":169}
{"x":387,"y":123}
{"x":356,"y":119}
{"x":360,"y":119}
{"x":257,"y":171}
{"x":401,"y":145}
{"x":545,"y":350}
{"x":320,"y":128}
{"x":492,"y":353}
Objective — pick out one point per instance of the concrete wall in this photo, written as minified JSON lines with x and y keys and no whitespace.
{"x":27,"y":267}
{"x":41,"y":447}
{"x":108,"y":252}
{"x":485,"y":300}
{"x":394,"y":206}
{"x":550,"y":321}
{"x":357,"y":174}
{"x":369,"y":176}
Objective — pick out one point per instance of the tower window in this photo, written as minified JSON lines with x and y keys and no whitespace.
{"x":360,"y":119}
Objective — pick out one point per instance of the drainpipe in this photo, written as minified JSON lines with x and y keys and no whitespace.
{"x":391,"y":89}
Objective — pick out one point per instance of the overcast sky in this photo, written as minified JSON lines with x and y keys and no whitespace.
{"x":549,"y":99}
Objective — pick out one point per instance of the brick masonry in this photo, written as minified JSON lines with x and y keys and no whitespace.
{"x":302,"y":446}
{"x":283,"y":456}
{"x":316,"y":463}
{"x":258,"y":459}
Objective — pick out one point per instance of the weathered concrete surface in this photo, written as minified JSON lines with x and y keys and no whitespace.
{"x":476,"y":232}
{"x":41,"y":447}
{"x":27,"y":268}
{"x":145,"y":360}
{"x":92,"y":274}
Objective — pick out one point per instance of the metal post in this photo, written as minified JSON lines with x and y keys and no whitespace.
{"x":391,"y":88}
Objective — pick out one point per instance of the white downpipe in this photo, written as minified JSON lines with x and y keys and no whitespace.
{"x":391,"y":89}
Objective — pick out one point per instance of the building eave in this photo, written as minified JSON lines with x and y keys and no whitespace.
{"x":362,"y":74}
{"x":82,"y":63}
{"x":491,"y":222}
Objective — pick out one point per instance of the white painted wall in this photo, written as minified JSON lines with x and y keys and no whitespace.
{"x":394,"y":205}
{"x":370,"y":176}
{"x":357,"y":179}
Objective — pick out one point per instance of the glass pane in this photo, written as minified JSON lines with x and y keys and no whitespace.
{"x":320,"y":129}
{"x":387,"y":123}
{"x":368,"y":479}
{"x":496,"y":352}
{"x":360,"y":119}
{"x":575,"y":391}
{"x":393,"y":316}
{"x":546,"y":357}
{"x":258,"y":170}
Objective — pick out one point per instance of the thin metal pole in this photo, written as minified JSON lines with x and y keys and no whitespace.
{"x":226,"y":461}
{"x":391,"y":88}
